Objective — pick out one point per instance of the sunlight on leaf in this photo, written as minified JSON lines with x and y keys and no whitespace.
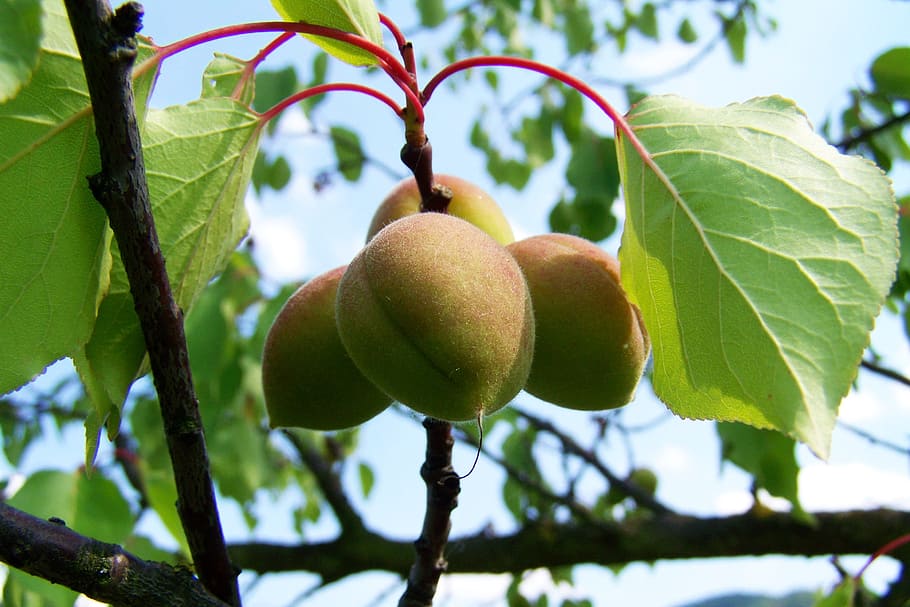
{"x":20,"y":41}
{"x":354,"y":16}
{"x":53,"y":238}
{"x":759,"y":257}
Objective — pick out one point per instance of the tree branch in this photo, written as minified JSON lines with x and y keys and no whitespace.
{"x":107,"y":44}
{"x":569,"y":445}
{"x":668,"y":537}
{"x":104,"y":572}
{"x":863,"y":135}
{"x":443,"y":486}
{"x":350,"y":521}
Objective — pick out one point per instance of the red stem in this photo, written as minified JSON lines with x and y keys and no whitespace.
{"x":250,"y":68}
{"x":390,"y":25}
{"x":552,"y":72}
{"x":387,"y":60}
{"x":327,"y":88}
{"x":887,"y":548}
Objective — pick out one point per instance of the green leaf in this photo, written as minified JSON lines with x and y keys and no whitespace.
{"x":579,"y":29}
{"x":841,"y":596}
{"x":891,"y":72}
{"x":769,"y":457}
{"x":367,"y":478}
{"x":348,"y":152}
{"x":54,"y":240}
{"x":686,"y":32}
{"x":432,"y":12}
{"x":759,"y":257}
{"x":199,"y":158}
{"x":646,"y":22}
{"x":354,"y":16}
{"x":274,"y":85}
{"x":92,"y":506}
{"x":23,"y":590}
{"x":20,"y":41}
{"x":735,"y":33}
{"x":224,"y":76}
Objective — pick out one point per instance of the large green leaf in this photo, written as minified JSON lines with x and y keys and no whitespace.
{"x":54,"y":240}
{"x":20,"y":40}
{"x":198,"y":158}
{"x":354,"y":16}
{"x":759,"y":257}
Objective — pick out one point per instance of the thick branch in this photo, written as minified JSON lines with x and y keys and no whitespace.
{"x":443,"y":486}
{"x":104,"y":572}
{"x":863,"y":135}
{"x":666,"y":537}
{"x":108,"y":48}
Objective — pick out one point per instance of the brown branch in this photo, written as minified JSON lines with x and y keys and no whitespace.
{"x":107,"y":44}
{"x":330,"y":484}
{"x":532,"y":484}
{"x":443,"y":486}
{"x":641,"y":497}
{"x":104,"y":572}
{"x":668,"y":537}
{"x":863,"y":135}
{"x":885,"y":372}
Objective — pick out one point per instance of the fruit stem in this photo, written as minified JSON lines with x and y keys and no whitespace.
{"x":250,"y":68}
{"x":327,"y":88}
{"x":386,"y":60}
{"x":390,"y":25}
{"x":433,"y":197}
{"x":622,"y":126}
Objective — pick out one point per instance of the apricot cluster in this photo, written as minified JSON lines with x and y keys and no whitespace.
{"x":447,"y":314}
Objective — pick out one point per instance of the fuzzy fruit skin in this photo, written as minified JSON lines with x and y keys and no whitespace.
{"x":437,"y":314}
{"x":468,"y":202}
{"x":308,"y":378}
{"x":591,"y":344}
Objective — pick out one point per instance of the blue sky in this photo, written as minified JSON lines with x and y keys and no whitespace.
{"x":820,"y":49}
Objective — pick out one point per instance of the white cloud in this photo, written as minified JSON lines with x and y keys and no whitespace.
{"x":860,"y":406}
{"x":854,"y":485}
{"x":279,"y":246}
{"x":672,"y":459}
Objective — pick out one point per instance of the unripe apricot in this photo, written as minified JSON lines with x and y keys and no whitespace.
{"x":469,"y":202}
{"x":437,"y":314}
{"x":308,"y":378}
{"x":591,"y":345}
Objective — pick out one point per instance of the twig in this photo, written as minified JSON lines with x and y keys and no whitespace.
{"x":533,"y":484}
{"x":330,"y":485}
{"x":641,"y":497}
{"x":889,"y":373}
{"x":102,"y":571}
{"x":863,"y":135}
{"x":443,"y":486}
{"x":107,"y":44}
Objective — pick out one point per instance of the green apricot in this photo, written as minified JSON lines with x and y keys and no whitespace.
{"x":308,"y":378}
{"x":469,"y":202}
{"x":437,"y":314}
{"x":591,"y":344}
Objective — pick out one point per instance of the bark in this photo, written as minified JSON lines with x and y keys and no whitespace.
{"x":102,"y":571}
{"x":648,"y":539}
{"x":107,"y":45}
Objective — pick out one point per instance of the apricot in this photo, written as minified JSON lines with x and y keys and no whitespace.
{"x":469,"y":202}
{"x":437,"y":314}
{"x":591,"y":344}
{"x":308,"y":378}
